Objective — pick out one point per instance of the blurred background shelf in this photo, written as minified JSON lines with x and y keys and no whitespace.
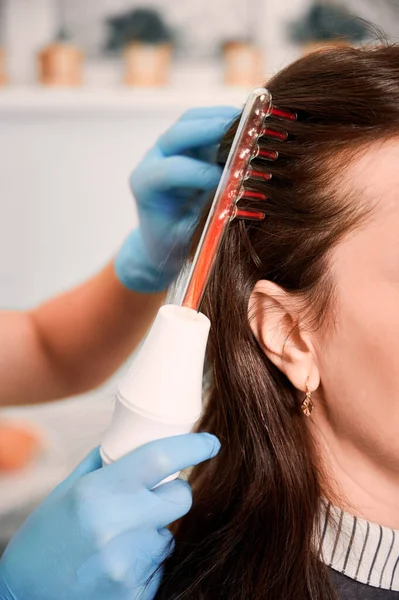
{"x":36,"y":99}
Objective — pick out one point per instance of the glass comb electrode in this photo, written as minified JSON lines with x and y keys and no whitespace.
{"x":224,"y":206}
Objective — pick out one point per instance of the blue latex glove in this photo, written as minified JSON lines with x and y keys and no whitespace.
{"x":102,"y":533}
{"x":170,"y":186}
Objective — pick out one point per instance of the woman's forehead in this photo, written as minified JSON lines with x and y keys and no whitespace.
{"x":372,"y":179}
{"x":374,"y":175}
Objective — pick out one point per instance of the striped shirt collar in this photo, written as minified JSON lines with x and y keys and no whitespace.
{"x":359,"y":549}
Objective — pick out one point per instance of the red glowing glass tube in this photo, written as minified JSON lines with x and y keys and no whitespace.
{"x":279,"y":113}
{"x":267,"y":154}
{"x":252,"y":195}
{"x":223,"y":208}
{"x":250,"y":215}
{"x":260,"y":175}
{"x":277,"y":135}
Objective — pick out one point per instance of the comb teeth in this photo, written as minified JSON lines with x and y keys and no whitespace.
{"x":267,"y":154}
{"x":280,"y":136}
{"x":249,"y":215}
{"x":271,"y":155}
{"x":258,"y":175}
{"x":283,"y":114}
{"x":252,"y":195}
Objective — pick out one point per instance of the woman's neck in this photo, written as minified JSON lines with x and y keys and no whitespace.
{"x":363,"y":483}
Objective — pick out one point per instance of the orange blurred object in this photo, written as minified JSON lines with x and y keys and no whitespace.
{"x":20,"y":444}
{"x":60,"y":65}
{"x":243,"y":64}
{"x":3,"y":69}
{"x":147,"y":64}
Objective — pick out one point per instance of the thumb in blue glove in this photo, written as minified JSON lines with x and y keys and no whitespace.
{"x":170,"y":186}
{"x":102,"y":533}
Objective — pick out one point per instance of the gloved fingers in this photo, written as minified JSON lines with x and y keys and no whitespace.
{"x":162,"y":545}
{"x":167,"y":538}
{"x":206,"y":154}
{"x":152,"y":554}
{"x":177,"y":172}
{"x":210,"y":112}
{"x":191,"y":134}
{"x":110,"y":513}
{"x":153,"y":462}
{"x":176,"y":498}
{"x":166,"y":457}
{"x":91,"y":463}
{"x":110,"y":510}
{"x":227,"y":113}
{"x":192,"y":212}
{"x":184,"y":231}
{"x":149,"y":590}
{"x":128,"y":560}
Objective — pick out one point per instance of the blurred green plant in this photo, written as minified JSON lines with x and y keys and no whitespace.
{"x":141,"y":25}
{"x":326,"y":21}
{"x":63,"y":35}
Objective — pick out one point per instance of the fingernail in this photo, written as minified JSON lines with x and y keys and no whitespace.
{"x":216,"y":445}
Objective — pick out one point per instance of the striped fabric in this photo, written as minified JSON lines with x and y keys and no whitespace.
{"x":363,"y":551}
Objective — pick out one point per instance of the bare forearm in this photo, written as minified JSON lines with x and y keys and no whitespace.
{"x":74,"y":342}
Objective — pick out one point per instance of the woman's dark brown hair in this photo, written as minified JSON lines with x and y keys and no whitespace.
{"x":250,"y":533}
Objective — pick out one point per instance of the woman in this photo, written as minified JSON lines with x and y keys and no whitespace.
{"x":306,"y":305}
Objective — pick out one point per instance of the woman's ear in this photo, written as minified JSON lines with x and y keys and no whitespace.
{"x":275,"y":322}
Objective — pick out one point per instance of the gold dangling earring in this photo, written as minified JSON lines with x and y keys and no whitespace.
{"x":307,"y":405}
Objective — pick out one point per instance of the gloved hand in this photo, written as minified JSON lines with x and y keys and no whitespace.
{"x":102,"y":533}
{"x":170,"y":186}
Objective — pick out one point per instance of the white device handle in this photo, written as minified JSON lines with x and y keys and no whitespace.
{"x":161,"y":395}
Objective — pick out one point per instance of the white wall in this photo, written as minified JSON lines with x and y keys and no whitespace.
{"x":65,"y":202}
